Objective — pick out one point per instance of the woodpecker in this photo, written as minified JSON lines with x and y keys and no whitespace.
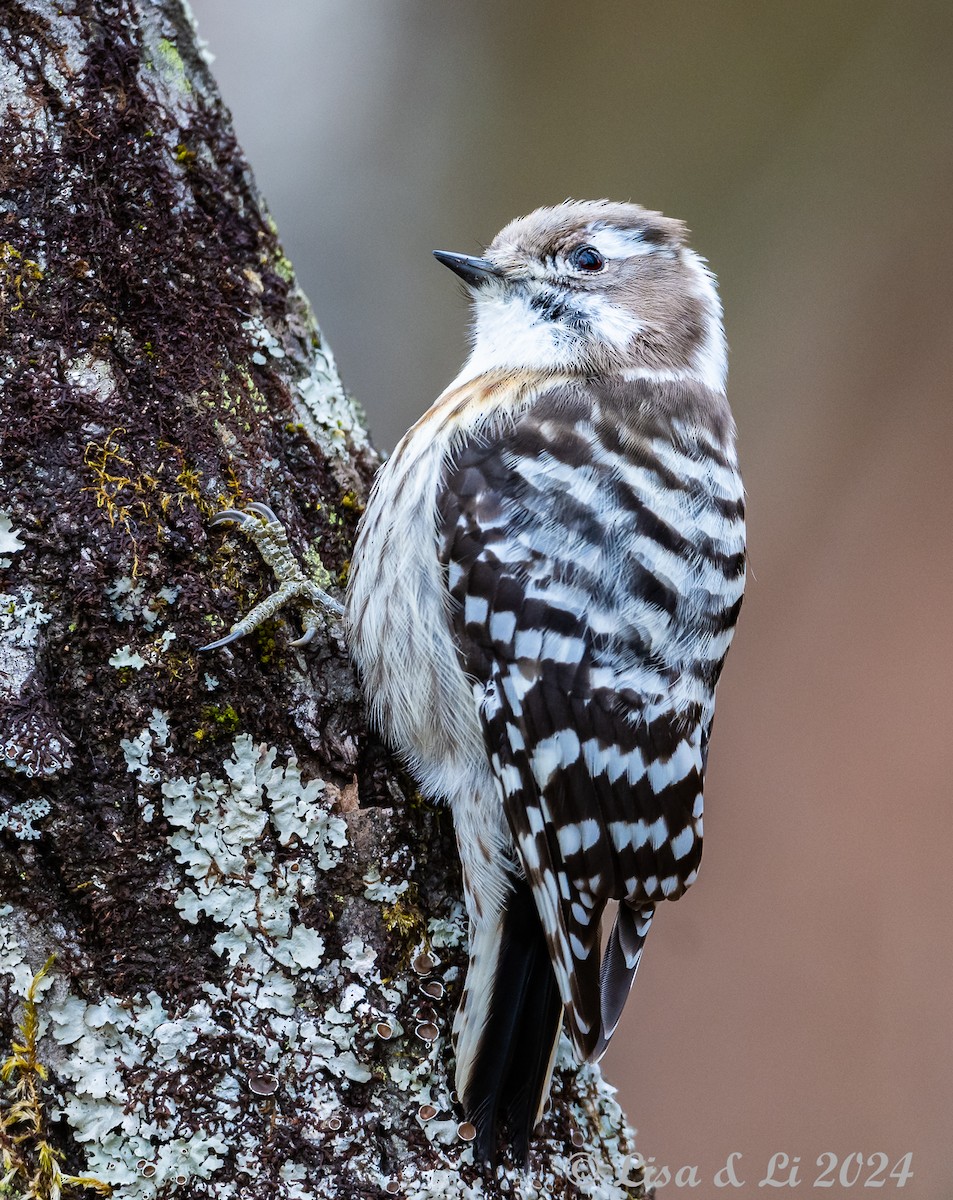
{"x":544,"y":587}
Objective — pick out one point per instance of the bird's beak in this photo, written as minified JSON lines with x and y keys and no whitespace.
{"x":473,"y":271}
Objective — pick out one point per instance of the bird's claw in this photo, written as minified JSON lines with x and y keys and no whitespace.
{"x":262,"y":526}
{"x":229,"y":516}
{"x":235,"y":516}
{"x":263,"y":510}
{"x":235,"y":634}
{"x":306,"y":638}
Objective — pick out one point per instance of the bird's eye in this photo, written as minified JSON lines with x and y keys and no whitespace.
{"x":586,"y":258}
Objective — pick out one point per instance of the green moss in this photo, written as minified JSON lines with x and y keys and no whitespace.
{"x":171,"y":66}
{"x":236,"y":390}
{"x":267,"y":643}
{"x":252,"y":392}
{"x":18,"y":277}
{"x":404,"y":919}
{"x":222,"y":715}
{"x":315,"y":567}
{"x":350,"y":501}
{"x":282,"y":266}
{"x":218,"y":720}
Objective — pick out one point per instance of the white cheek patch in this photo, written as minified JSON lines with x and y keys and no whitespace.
{"x":510,"y":333}
{"x":621,"y":243}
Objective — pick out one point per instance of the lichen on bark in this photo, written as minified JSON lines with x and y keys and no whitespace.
{"x":256,"y":921}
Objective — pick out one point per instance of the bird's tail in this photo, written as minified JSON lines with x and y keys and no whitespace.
{"x":507,"y":1027}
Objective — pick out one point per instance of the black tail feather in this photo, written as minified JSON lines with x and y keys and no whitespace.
{"x":528,"y":1076}
{"x":511,"y":1071}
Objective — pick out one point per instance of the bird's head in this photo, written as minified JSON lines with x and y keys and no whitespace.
{"x":593,"y":287}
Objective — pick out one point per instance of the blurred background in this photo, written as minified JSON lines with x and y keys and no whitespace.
{"x":799,"y":999}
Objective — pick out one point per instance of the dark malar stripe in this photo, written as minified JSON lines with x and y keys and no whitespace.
{"x":551,"y":307}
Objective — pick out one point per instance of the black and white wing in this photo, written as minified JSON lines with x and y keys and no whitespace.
{"x":595,"y":573}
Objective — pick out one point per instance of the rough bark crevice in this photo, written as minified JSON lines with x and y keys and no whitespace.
{"x":236,"y":880}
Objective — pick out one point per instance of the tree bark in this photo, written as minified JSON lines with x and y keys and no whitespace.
{"x":256,"y":922}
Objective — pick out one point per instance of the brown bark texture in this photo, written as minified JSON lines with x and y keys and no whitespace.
{"x":256,"y":923}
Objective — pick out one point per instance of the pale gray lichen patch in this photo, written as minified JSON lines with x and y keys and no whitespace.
{"x":10,"y":542}
{"x":359,"y":957}
{"x":12,"y":953}
{"x":266,"y":344}
{"x":94,"y":377}
{"x":138,"y":750}
{"x":449,"y":931}
{"x":19,"y":818}
{"x":109,"y":1044}
{"x":125,"y":656}
{"x":21,"y":619}
{"x":32,"y":741}
{"x":218,"y":833}
{"x":129,"y":600}
{"x":325,"y":410}
{"x":33,"y":744}
{"x":384,"y":891}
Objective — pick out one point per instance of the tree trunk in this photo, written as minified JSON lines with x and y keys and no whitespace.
{"x":256,"y":923}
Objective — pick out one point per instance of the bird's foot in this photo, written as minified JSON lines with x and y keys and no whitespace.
{"x":261,"y":526}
